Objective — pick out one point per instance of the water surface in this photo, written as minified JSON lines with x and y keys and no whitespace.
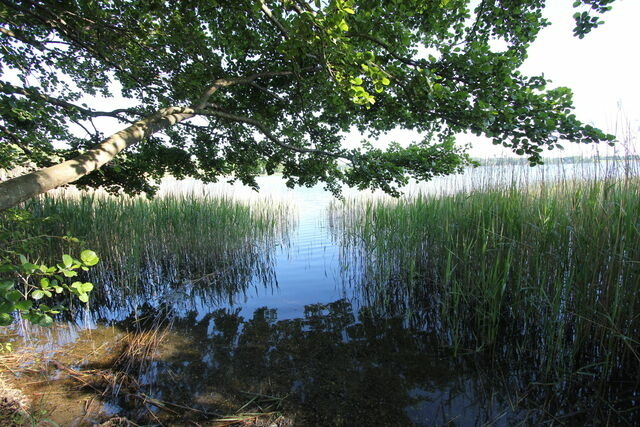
{"x":296,"y":326}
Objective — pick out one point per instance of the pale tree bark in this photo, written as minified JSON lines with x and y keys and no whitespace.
{"x":19,"y":189}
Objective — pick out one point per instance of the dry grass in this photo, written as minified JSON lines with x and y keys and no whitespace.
{"x":14,"y":404}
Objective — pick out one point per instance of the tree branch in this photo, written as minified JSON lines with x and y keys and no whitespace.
{"x":23,"y":187}
{"x":34,"y":94}
{"x":265,"y":90}
{"x":476,"y":23}
{"x":271,"y":136}
{"x":7,"y":32}
{"x":192,"y":126}
{"x":304,"y":4}
{"x":220,"y":83}
{"x":16,"y":140}
{"x":269,"y":14}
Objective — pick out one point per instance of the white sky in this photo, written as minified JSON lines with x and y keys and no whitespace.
{"x":603,"y":70}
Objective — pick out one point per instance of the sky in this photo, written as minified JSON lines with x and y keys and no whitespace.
{"x":602,"y":69}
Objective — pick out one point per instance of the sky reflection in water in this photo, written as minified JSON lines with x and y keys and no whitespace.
{"x":291,"y":321}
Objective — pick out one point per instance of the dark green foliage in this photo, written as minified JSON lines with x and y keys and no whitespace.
{"x":25,"y":285}
{"x":585,"y":22}
{"x":325,"y":68}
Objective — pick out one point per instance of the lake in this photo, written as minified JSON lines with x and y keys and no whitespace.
{"x":288,"y":327}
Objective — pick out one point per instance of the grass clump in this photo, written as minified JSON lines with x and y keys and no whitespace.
{"x":549,"y":272}
{"x":147,"y":245}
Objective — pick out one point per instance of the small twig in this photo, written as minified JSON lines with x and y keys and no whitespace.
{"x":93,"y":136}
{"x":34,"y":94}
{"x":265,"y":90}
{"x":16,"y":140}
{"x":269,"y":14}
{"x":271,"y":136}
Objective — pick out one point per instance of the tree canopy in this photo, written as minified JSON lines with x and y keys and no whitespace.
{"x":223,"y":88}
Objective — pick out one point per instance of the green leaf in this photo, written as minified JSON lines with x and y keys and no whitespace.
{"x":37,"y":294}
{"x":69,"y":273}
{"x":67,"y":260}
{"x":24,"y":305}
{"x":29,"y":315}
{"x":89,"y":257}
{"x":29,"y":268}
{"x":6,"y":268}
{"x":343,"y":25}
{"x":87,"y":287}
{"x":83,"y":297}
{"x":45,"y":321}
{"x":13,"y":296}
{"x":44,"y":283}
{"x":7,"y":307}
{"x":5,"y":319}
{"x":5,"y":285}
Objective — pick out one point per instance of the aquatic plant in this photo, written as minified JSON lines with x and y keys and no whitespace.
{"x":210,"y":245}
{"x":548,"y":272}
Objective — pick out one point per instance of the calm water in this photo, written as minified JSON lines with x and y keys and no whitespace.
{"x":299,"y":329}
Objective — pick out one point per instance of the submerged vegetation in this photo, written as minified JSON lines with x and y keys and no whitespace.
{"x":545,"y":276}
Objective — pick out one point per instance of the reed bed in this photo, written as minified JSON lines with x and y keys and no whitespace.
{"x":548,"y":273}
{"x":179,"y":239}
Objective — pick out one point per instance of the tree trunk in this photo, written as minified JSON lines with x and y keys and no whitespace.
{"x":26,"y":186}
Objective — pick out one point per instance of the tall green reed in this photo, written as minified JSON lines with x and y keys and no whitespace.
{"x":550,"y":269}
{"x":149,"y":245}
